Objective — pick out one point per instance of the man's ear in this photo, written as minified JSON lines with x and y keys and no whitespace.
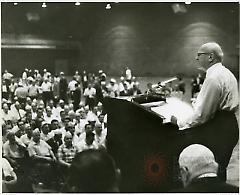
{"x":184,"y":175}
{"x":211,"y":57}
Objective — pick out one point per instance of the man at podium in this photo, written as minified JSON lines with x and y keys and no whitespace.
{"x":219,"y":90}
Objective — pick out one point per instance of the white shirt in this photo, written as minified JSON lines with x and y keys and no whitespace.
{"x":219,"y":92}
{"x":7,"y":76}
{"x":71,"y":85}
{"x":6,"y":167}
{"x":46,"y":86}
{"x":90,"y":92}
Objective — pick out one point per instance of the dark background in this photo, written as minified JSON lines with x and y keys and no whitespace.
{"x":148,"y":37}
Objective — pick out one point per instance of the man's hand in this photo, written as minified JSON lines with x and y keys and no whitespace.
{"x":174,"y":120}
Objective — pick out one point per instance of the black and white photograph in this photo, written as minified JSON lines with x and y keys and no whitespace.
{"x":120,"y":97}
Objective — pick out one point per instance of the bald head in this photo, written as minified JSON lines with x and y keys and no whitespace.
{"x":213,"y":48}
{"x":196,"y":160}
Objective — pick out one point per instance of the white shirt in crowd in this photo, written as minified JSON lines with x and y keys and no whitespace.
{"x":71,"y":85}
{"x":90,"y":92}
{"x":46,"y":86}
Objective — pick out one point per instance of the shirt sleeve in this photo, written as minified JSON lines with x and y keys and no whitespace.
{"x":206,"y":104}
{"x":5,"y":149}
{"x":59,"y":153}
{"x":31,"y":150}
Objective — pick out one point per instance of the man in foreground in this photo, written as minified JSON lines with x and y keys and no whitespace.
{"x":198,"y":171}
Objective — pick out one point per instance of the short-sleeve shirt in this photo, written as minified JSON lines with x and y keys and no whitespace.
{"x":13,"y":150}
{"x":6,"y":168}
{"x":41,"y":148}
{"x":66,"y":154}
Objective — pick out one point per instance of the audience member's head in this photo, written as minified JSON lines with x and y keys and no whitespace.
{"x":54,"y":124}
{"x":93,"y":171}
{"x":45,"y":128}
{"x":194,"y":161}
{"x":36,"y":135}
{"x":98,"y":129}
{"x":11,"y":137}
{"x":68,"y":139}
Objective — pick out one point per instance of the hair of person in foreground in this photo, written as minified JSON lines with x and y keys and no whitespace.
{"x":93,"y":171}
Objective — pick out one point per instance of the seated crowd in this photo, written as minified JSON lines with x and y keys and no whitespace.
{"x":47,"y":120}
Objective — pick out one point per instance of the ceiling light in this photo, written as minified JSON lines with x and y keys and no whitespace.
{"x":15,"y":3}
{"x":77,"y":3}
{"x":44,"y":5}
{"x":108,"y":6}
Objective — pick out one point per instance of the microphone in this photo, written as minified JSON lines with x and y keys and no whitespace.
{"x":163,"y":83}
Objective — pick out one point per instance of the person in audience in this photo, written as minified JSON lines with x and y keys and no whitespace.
{"x":77,"y":77}
{"x":26,"y":138}
{"x":181,"y":85}
{"x":21,"y":93}
{"x":14,"y":151}
{"x":19,"y":130}
{"x":55,"y":141}
{"x":84,"y":80}
{"x":76,"y":96}
{"x":99,"y":94}
{"x":48,"y":116}
{"x":198,"y":172}
{"x":93,"y":171}
{"x":89,"y":94}
{"x":135,"y":89}
{"x":63,"y":87}
{"x":55,"y":112}
{"x":9,"y":177}
{"x":39,"y":118}
{"x":5,"y":90}
{"x":72,"y":87}
{"x":71,"y":129}
{"x":46,"y":133}
{"x":6,"y":114}
{"x":72,"y":116}
{"x":88,"y":142}
{"x":33,"y":89}
{"x":100,"y":136}
{"x":7,"y":77}
{"x":46,"y":91}
{"x":12,"y":87}
{"x":54,"y":126}
{"x":17,"y":111}
{"x":113,"y":88}
{"x":43,"y":159}
{"x":66,"y":151}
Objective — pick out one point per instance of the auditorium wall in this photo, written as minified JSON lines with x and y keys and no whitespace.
{"x":151,"y":40}
{"x":155,"y":43}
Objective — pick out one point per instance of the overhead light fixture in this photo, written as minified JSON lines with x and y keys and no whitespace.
{"x":15,"y":3}
{"x":179,"y":8}
{"x":188,"y":2}
{"x":77,"y":3}
{"x":108,"y":6}
{"x":44,"y":5}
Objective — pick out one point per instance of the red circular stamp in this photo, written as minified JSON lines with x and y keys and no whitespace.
{"x":155,"y":170}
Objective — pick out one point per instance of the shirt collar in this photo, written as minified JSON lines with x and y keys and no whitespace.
{"x":212,"y":68}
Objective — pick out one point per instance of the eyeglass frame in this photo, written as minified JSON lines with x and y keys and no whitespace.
{"x":202,"y":53}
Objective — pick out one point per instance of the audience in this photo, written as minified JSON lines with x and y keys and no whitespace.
{"x":47,"y":121}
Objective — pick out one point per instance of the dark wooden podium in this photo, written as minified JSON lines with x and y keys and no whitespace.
{"x":146,"y":150}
